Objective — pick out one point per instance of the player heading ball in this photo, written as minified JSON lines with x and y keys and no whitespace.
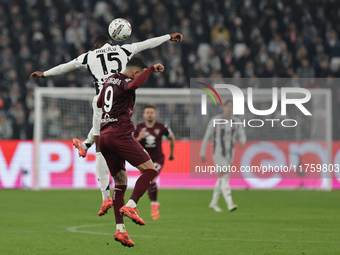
{"x":117,"y":144}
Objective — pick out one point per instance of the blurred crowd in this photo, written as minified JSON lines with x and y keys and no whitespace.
{"x":223,"y":38}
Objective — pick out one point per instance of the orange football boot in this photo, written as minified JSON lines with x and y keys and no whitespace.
{"x":106,"y":205}
{"x":132,"y":213}
{"x":77,"y":143}
{"x":155,"y":211}
{"x":123,"y":238}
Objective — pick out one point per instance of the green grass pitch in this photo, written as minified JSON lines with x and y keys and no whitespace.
{"x":266,"y":222}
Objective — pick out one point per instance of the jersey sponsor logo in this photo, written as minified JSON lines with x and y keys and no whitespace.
{"x":150,"y":141}
{"x":114,"y":81}
{"x":108,"y":119}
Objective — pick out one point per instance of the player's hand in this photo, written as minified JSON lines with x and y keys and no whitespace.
{"x":171,"y":157}
{"x":35,"y":74}
{"x":203,"y":159}
{"x":176,"y":37}
{"x":158,"y":68}
{"x":141,"y":135}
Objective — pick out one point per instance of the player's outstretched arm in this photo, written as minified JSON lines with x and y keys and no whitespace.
{"x":176,"y":37}
{"x":134,"y":48}
{"x":158,"y":68}
{"x":58,"y":70}
{"x":141,"y":79}
{"x":37,"y":74}
{"x":79,"y":62}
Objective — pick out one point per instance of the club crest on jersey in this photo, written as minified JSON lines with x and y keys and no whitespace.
{"x":157,"y":131}
{"x":127,"y":80}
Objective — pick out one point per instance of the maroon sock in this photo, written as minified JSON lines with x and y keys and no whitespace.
{"x":118,"y":202}
{"x":142,"y":184}
{"x":152,"y":192}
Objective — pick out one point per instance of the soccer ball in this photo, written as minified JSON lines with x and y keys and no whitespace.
{"x":120,"y":29}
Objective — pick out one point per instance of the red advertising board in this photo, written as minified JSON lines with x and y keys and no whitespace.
{"x":60,"y":166}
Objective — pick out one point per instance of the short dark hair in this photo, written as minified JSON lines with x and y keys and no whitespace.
{"x":136,"y":62}
{"x":150,"y":106}
{"x":100,"y":40}
{"x":228,"y":101}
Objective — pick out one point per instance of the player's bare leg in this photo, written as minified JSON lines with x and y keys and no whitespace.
{"x":118,"y":201}
{"x":226,"y":192}
{"x":148,"y":174}
{"x":152,"y":192}
{"x":103,"y":176}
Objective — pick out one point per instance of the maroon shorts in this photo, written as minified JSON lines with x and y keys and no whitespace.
{"x":158,"y":165}
{"x":118,"y":147}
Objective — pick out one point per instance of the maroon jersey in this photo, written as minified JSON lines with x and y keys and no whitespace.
{"x":153,"y":139}
{"x":117,"y":99}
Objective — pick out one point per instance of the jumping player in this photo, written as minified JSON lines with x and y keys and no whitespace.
{"x":149,"y":134}
{"x":105,"y":60}
{"x":117,"y":143}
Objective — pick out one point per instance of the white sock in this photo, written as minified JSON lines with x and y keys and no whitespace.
{"x":105,"y":194}
{"x":83,"y":145}
{"x":89,"y":140}
{"x":154,"y":203}
{"x":217,"y":192}
{"x":131,"y":203}
{"x":121,"y":227}
{"x":103,"y":175}
{"x":226,"y":191}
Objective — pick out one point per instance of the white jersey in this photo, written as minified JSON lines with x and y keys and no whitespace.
{"x":107,"y":60}
{"x":223,"y":138}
